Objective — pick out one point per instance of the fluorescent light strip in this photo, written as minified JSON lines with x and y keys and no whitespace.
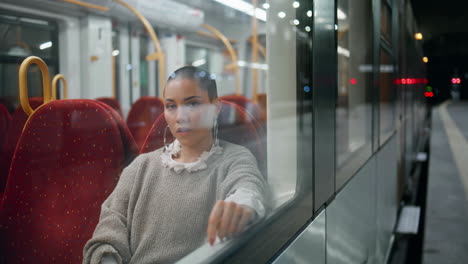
{"x":341,"y":15}
{"x":344,"y":52}
{"x":199,"y":62}
{"x":244,"y":7}
{"x":45,"y":45}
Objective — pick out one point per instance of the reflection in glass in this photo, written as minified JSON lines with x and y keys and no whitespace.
{"x":353,"y":113}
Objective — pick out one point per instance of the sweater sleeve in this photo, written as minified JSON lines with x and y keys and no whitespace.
{"x":243,"y":175}
{"x":111,"y":236}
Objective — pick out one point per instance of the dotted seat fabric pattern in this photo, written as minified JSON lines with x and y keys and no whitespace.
{"x":130,"y":147}
{"x":15,"y":129}
{"x":112,"y":103}
{"x":233,"y":128}
{"x":142,"y":116}
{"x":67,"y":162}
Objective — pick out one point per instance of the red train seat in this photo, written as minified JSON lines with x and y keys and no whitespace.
{"x":14,"y":132}
{"x":232,"y":128}
{"x":130,"y":147}
{"x":252,"y":108}
{"x":5,"y":119}
{"x":142,"y":116}
{"x":68,"y":160}
{"x":112,"y":102}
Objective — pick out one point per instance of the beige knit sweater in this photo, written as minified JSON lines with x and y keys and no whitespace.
{"x":155,"y":215}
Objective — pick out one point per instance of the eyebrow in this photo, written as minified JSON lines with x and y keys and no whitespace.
{"x":185,"y":99}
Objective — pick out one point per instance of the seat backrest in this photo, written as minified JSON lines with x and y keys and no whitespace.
{"x":5,"y":119}
{"x":14,"y":132}
{"x":68,"y":160}
{"x":112,"y":102}
{"x":142,"y":116}
{"x":252,"y":108}
{"x":8,"y":103}
{"x":130,"y":147}
{"x":232,"y":128}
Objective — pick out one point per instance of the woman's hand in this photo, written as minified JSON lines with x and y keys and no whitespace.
{"x":227,"y":219}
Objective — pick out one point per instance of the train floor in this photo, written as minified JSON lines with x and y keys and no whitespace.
{"x":446,"y":219}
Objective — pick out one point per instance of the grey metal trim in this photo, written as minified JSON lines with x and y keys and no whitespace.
{"x":309,"y":246}
{"x":324,"y":99}
{"x":376,"y":88}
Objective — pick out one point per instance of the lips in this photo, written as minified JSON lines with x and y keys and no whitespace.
{"x":183,"y":130}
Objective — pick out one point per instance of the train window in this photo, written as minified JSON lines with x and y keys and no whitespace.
{"x":21,"y":37}
{"x":386,"y":21}
{"x":215,"y":59}
{"x":387,"y":96}
{"x":354,"y":102}
{"x":262,"y":68}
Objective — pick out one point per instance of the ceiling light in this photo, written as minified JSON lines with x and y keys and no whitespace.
{"x":282,"y":14}
{"x":198,"y":63}
{"x":45,"y":45}
{"x":341,"y":15}
{"x":296,"y":4}
{"x":245,"y":8}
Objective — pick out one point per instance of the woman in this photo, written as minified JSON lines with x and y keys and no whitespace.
{"x":170,"y":201}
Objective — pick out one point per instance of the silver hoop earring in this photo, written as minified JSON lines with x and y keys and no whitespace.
{"x":215,"y":132}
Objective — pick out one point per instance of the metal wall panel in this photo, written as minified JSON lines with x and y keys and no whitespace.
{"x":309,"y":246}
{"x":387,"y":205}
{"x":324,"y":100}
{"x":351,"y":220}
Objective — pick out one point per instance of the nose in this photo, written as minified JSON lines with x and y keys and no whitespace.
{"x":182,"y":115}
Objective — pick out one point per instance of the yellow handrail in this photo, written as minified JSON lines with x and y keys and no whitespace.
{"x":23,"y":82}
{"x":231,"y":51}
{"x":158,"y":55}
{"x":98,"y":7}
{"x":54,"y":86}
{"x":209,"y":35}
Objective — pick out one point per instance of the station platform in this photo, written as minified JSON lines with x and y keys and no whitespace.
{"x":446,"y":219}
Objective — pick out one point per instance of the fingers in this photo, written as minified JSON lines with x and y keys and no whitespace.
{"x":237,"y":215}
{"x":229,"y":209}
{"x":244,"y":220}
{"x":227,"y":219}
{"x":214,"y":220}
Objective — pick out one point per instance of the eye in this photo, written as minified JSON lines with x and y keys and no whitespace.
{"x":170,"y":106}
{"x":193,"y":104}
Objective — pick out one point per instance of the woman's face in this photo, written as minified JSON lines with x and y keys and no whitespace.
{"x":189,"y":112}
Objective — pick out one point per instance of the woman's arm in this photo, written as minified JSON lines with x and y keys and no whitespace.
{"x":246,"y":197}
{"x":111,"y":236}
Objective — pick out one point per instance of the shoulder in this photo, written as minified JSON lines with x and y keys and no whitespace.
{"x":146,"y":159}
{"x":234,"y":149}
{"x":233,"y":153}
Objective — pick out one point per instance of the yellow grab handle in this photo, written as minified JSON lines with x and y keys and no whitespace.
{"x":23,"y":82}
{"x":54,"y":86}
{"x":231,"y":51}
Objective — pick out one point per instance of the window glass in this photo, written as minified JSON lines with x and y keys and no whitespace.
{"x":387,"y":96}
{"x":22,"y":37}
{"x":263,"y":118}
{"x":386,"y":21}
{"x":354,"y":102}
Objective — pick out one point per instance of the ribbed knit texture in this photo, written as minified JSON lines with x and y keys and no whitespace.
{"x":156,"y":215}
